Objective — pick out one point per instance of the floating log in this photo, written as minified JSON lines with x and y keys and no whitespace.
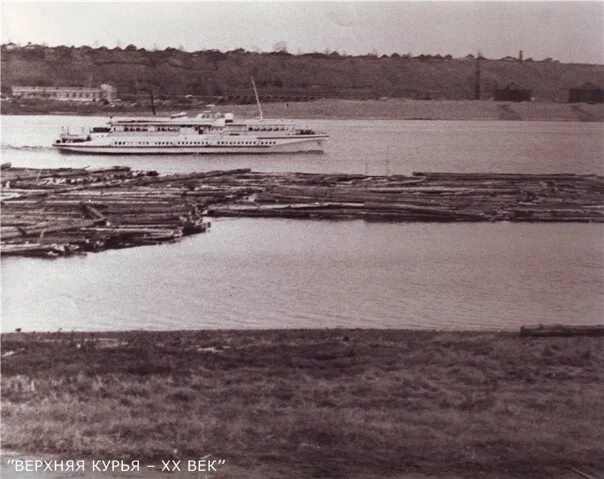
{"x":92,"y":212}
{"x":502,"y":176}
{"x":37,"y":249}
{"x":194,"y":176}
{"x":561,"y":330}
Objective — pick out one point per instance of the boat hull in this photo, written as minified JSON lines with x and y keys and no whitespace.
{"x":307,"y":145}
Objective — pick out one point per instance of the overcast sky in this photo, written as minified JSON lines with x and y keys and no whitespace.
{"x":567,"y":31}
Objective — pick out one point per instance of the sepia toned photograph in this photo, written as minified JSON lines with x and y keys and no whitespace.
{"x":298,"y":239}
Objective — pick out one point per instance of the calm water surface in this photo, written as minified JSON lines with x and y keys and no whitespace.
{"x":264,"y":273}
{"x":356,"y":146}
{"x":250,"y":273}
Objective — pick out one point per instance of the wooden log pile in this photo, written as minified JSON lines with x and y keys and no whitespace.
{"x":52,"y":212}
{"x":58,"y":212}
{"x":433,"y":197}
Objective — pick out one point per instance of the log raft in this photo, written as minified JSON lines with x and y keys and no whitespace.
{"x":53,"y":212}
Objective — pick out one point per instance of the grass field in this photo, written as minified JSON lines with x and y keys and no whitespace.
{"x":316,"y":403}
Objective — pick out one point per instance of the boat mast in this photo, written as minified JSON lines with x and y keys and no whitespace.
{"x":257,"y":99}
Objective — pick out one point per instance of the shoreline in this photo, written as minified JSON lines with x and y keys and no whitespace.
{"x":325,"y":109}
{"x":311,"y":403}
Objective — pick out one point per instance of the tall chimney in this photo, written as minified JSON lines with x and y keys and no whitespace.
{"x":520,"y":55}
{"x":477,"y":92}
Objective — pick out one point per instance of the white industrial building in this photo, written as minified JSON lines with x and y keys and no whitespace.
{"x":68,"y":93}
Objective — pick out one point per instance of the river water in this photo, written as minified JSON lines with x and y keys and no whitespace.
{"x":261,"y":273}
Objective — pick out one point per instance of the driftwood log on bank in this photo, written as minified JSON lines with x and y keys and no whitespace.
{"x":561,"y":330}
{"x":52,"y":212}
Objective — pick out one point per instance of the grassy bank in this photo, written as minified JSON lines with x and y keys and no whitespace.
{"x":320,"y":403}
{"x":392,"y":109}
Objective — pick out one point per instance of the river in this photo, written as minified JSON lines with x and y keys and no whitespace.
{"x":261,"y":273}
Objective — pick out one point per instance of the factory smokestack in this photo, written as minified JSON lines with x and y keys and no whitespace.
{"x":477,"y":77}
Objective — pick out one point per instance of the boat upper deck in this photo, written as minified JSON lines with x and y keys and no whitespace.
{"x":204,"y":123}
{"x":205,"y":119}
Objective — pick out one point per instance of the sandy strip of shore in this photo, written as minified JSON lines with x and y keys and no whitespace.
{"x":389,"y":109}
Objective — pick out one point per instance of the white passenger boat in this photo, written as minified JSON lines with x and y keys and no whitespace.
{"x":208,"y":132}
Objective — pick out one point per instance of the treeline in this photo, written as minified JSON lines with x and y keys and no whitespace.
{"x":226,"y":75}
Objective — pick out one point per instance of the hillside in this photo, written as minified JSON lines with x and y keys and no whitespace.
{"x":280,"y":75}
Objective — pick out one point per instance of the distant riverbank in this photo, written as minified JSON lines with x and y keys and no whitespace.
{"x":390,"y":109}
{"x":311,"y":403}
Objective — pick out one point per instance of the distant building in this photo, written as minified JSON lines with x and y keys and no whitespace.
{"x":586,"y":93}
{"x":513,"y":92}
{"x":71,"y":93}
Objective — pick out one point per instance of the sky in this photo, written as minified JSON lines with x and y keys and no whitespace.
{"x":565,"y":31}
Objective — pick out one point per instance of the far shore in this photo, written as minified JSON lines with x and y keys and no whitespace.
{"x":387,"y":109}
{"x":335,"y":403}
